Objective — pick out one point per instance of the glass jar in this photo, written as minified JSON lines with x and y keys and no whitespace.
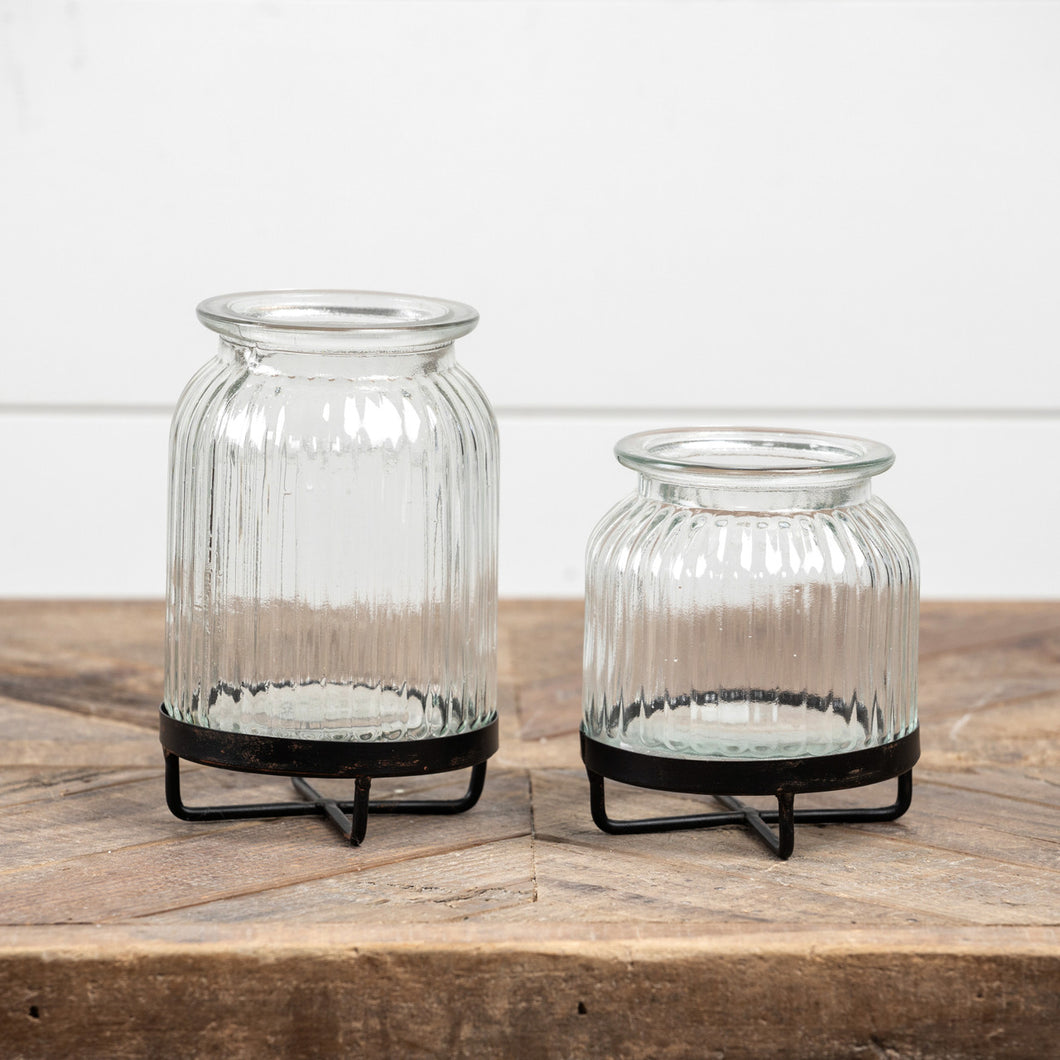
{"x":751,"y":601}
{"x":333,"y":523}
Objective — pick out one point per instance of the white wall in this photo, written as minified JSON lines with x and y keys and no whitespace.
{"x":840,"y":215}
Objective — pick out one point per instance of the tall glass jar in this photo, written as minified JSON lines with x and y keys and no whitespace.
{"x":333,"y":523}
{"x":751,"y":600}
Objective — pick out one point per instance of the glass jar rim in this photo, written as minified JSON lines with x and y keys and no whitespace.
{"x":752,"y":456}
{"x":337,"y":321}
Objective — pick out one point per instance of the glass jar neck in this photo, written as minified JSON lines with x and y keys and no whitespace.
{"x":350,"y":364}
{"x":803,"y":494}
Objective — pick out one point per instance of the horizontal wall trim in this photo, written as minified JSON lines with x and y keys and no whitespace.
{"x":743,"y":411}
{"x":597,"y":413}
{"x":86,"y":409}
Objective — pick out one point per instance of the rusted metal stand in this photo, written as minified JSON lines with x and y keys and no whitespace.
{"x":298,"y":759}
{"x":724,"y":779}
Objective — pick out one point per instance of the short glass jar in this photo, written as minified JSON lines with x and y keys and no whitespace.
{"x":750,"y":627}
{"x":752,"y":599}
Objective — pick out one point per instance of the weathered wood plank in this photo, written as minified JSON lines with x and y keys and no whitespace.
{"x":621,"y":1000}
{"x":162,"y":934}
{"x":23,"y":784}
{"x":66,"y":862}
{"x":127,"y":631}
{"x":31,"y":734}
{"x":968,"y":625}
{"x":455,"y":885}
{"x":928,"y":867}
{"x":1040,"y":794}
{"x":90,"y":657}
{"x":969,"y":680}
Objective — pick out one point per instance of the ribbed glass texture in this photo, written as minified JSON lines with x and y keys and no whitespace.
{"x":333,"y":523}
{"x":751,"y":600}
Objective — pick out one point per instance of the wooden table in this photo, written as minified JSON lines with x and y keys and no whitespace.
{"x":518,"y":929}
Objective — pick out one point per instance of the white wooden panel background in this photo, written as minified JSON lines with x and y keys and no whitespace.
{"x":840,"y":215}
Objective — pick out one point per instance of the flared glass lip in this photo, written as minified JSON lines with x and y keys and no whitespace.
{"x":337,"y":321}
{"x":752,"y":456}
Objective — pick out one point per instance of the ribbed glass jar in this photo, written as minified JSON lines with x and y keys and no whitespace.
{"x":752,"y":599}
{"x":333,"y":523}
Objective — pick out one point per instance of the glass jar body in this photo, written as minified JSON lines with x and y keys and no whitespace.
{"x":332,"y":545}
{"x":750,"y":623}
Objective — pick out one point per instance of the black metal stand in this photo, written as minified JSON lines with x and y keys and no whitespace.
{"x":298,"y":759}
{"x":782,"y":778}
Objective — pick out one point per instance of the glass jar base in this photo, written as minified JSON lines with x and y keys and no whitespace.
{"x":343,"y":712}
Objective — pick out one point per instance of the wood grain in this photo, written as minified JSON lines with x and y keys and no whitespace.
{"x":519,"y":929}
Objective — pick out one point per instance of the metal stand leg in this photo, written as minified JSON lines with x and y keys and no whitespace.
{"x":349,"y":816}
{"x":438,"y":806}
{"x":353,"y":826}
{"x":781,"y":842}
